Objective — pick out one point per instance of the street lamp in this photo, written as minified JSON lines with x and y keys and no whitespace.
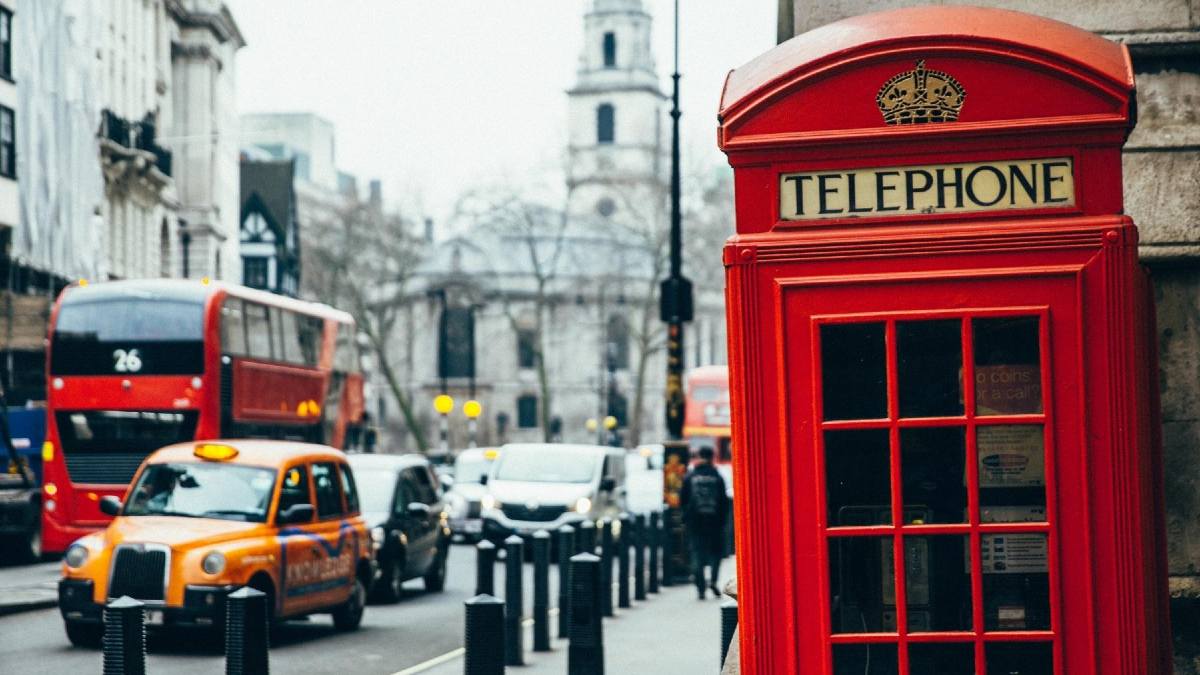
{"x":592,"y":425}
{"x":443,"y":404}
{"x":472,"y":409}
{"x":610,"y":423}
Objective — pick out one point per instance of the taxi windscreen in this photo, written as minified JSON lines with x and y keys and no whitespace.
{"x":223,"y":491}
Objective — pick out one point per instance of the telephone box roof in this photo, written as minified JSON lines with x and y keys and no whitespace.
{"x":842,"y":40}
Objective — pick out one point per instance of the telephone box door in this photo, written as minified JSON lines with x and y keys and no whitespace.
{"x":944,"y":410}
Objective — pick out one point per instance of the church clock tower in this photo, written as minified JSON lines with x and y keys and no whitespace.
{"x":618,"y":146}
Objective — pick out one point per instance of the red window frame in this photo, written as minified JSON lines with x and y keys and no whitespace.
{"x":973,"y":528}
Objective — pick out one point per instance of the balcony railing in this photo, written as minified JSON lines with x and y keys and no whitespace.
{"x":135,"y":136}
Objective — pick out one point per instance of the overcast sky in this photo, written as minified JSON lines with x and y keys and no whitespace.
{"x":436,"y":96}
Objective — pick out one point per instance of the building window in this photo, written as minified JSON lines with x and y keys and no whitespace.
{"x":610,"y":50}
{"x":456,"y":351}
{"x":605,"y":115}
{"x":5,"y":44}
{"x":254,"y":272}
{"x":526,"y":351}
{"x":527,"y":412}
{"x":8,"y":144}
{"x":617,"y":342}
{"x":164,"y":250}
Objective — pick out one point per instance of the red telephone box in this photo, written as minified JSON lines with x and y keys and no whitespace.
{"x":942,"y":354}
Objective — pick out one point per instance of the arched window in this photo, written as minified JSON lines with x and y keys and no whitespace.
{"x":610,"y":50}
{"x":605,"y":121}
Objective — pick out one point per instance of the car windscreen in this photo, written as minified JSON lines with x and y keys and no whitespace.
{"x":547,"y":465}
{"x":223,"y":491}
{"x":375,"y":489}
{"x":470,"y":470}
{"x":128,"y":336}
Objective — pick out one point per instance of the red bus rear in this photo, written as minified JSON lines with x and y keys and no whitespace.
{"x":706,"y":415}
{"x":136,"y":365}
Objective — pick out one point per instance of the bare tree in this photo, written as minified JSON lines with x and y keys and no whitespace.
{"x":536,"y":234}
{"x":363,"y":261}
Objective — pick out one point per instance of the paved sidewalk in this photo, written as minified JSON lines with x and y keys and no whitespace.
{"x":670,"y":633}
{"x":28,"y":587}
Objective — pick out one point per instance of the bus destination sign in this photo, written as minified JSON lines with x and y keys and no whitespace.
{"x":942,"y":188}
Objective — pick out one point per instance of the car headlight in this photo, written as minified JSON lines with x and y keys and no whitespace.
{"x":583,"y":505}
{"x":77,"y":555}
{"x":213,"y":563}
{"x":377,"y":537}
{"x":489,"y":502}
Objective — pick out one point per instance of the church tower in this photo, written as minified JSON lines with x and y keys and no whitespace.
{"x":618,"y":139}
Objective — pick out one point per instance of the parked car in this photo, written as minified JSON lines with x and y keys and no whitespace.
{"x":410,"y":535}
{"x":536,"y":486}
{"x":465,"y":497}
{"x":203,"y":519}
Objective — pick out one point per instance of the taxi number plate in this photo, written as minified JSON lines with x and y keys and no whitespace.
{"x":154,"y":617}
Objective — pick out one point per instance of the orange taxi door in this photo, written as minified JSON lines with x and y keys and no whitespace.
{"x":298,"y":559}
{"x":336,"y":542}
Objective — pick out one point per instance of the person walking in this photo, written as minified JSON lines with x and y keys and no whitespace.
{"x":705,"y":507}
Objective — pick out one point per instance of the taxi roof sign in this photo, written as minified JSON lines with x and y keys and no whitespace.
{"x":215,"y":452}
{"x":491,"y":453}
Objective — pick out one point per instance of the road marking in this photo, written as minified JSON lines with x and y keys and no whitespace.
{"x":457,"y":653}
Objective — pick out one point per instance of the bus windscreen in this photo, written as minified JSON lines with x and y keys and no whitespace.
{"x":128,"y":336}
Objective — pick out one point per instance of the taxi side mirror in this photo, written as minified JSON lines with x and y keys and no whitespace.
{"x":110,"y":505}
{"x":483,"y":479}
{"x":296,"y":513}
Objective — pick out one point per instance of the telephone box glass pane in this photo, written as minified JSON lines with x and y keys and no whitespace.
{"x":1008,"y":371}
{"x":1016,"y":583}
{"x":862,"y":585}
{"x":937,"y":583}
{"x":933,"y":470}
{"x":853,"y":371}
{"x":929,"y":367}
{"x":941,"y":658}
{"x":1019,"y":658}
{"x":865,"y":659}
{"x":857,"y":488}
{"x":1012,"y":473}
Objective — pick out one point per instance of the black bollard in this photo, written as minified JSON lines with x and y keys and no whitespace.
{"x":124,"y":637}
{"x":585,"y":655}
{"x":655,"y":541}
{"x":541,"y":591}
{"x":484,"y":639}
{"x":585,"y":537}
{"x":606,"y":551}
{"x":514,"y":554}
{"x":566,"y":549}
{"x":246,"y":632}
{"x":485,"y":568}
{"x":623,"y":561}
{"x":639,"y":557}
{"x":729,"y":622}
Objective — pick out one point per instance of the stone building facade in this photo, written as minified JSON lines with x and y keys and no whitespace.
{"x":1162,"y":194}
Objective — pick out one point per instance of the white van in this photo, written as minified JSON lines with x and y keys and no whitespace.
{"x":543,"y":486}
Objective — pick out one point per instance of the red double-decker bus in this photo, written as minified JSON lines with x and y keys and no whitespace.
{"x":706,"y":411}
{"x":136,"y":365}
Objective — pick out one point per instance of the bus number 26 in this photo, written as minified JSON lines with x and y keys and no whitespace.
{"x":127,"y":361}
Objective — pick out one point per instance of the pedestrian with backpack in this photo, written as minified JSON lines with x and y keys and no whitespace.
{"x":705,"y":507}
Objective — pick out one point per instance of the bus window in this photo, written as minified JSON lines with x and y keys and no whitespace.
{"x":258,"y":331}
{"x":277,"y":335}
{"x":233,"y":328}
{"x":310,"y":339}
{"x":128,"y":336}
{"x":289,"y":337}
{"x":346,"y":353}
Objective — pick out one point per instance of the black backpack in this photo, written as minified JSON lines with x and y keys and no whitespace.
{"x":707,"y":491}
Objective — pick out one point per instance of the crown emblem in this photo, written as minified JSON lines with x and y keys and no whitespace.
{"x":920,"y":96}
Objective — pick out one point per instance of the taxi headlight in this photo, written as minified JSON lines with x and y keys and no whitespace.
{"x":76,"y":556}
{"x":489,"y":502}
{"x":377,"y":536}
{"x":583,"y":505}
{"x":213,"y":563}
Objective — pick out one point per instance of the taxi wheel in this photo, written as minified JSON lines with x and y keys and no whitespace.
{"x":391,"y":582}
{"x":350,"y":614}
{"x":84,"y":634}
{"x":435,"y":576}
